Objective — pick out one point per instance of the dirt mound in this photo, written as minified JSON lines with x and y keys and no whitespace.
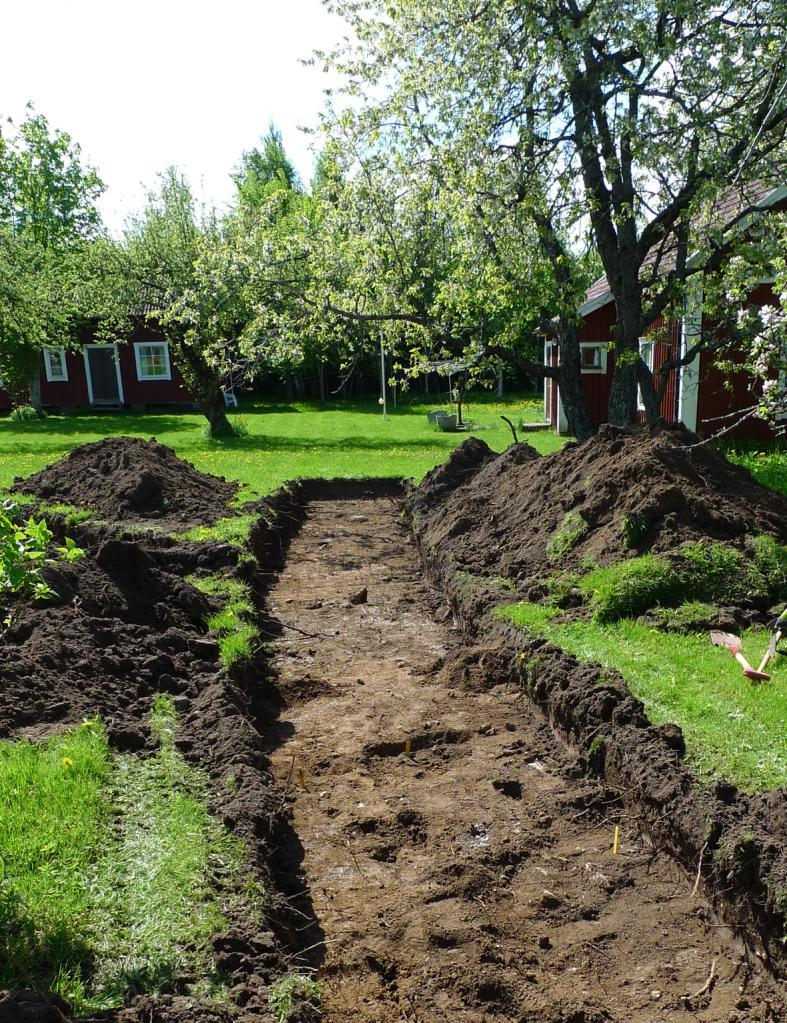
{"x":625,"y":491}
{"x":128,"y":478}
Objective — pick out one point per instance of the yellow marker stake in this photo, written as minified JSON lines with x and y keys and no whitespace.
{"x":407,"y":747}
{"x":615,"y":841}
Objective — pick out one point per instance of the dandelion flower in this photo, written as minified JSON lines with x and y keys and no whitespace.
{"x":67,"y":761}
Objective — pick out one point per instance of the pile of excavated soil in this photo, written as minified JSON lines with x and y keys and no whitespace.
{"x":128,"y":478}
{"x":122,"y":627}
{"x":495,"y":514}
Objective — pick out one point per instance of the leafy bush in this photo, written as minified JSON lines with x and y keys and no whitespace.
{"x":24,"y":547}
{"x":24,"y":413}
{"x":568,"y":534}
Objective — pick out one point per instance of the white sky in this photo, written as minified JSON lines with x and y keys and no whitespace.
{"x":142,"y":84}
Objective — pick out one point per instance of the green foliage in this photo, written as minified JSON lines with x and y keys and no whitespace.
{"x":732,"y":729}
{"x":238,"y":637}
{"x":24,"y":413}
{"x":286,"y":992}
{"x":709,"y":572}
{"x":568,"y":534}
{"x":24,"y":551}
{"x":47,"y":215}
{"x":633,"y":529}
{"x":691,"y":616}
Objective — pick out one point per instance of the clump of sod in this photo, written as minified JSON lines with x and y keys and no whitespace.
{"x":238,"y":637}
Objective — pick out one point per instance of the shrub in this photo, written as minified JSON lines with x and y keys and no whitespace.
{"x":24,"y":413}
{"x":24,"y":547}
{"x":568,"y":534}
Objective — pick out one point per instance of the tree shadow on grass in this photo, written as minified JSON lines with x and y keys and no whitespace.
{"x":51,"y":960}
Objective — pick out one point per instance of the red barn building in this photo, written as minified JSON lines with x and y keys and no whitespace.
{"x":136,"y":373}
{"x":697,"y":394}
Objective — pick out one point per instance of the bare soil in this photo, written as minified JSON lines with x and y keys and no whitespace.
{"x":458,"y":863}
{"x":652,"y":483}
{"x":127,"y":478}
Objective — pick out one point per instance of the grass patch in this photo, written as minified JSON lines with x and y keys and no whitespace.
{"x":114,"y":874}
{"x":71,"y":515}
{"x":731,"y":727}
{"x":284,"y":441}
{"x":702,"y":571}
{"x":54,"y":815}
{"x":566,"y":536}
{"x":767,"y":465}
{"x":160,"y":889}
{"x":287,"y":991}
{"x":234,"y":529}
{"x":238,"y":638}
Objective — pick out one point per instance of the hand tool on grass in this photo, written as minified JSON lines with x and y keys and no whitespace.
{"x":733,"y":644}
{"x":778,"y":629}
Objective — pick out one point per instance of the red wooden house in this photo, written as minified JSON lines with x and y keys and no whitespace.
{"x":696,"y":394}
{"x":136,"y":373}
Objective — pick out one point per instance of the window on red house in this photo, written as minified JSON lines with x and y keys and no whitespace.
{"x":152,"y":360}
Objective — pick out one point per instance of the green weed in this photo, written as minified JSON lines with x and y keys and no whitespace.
{"x":238,"y":638}
{"x":286,"y":992}
{"x":633,"y":529}
{"x":567,"y":535}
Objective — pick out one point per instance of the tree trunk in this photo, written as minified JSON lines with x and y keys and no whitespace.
{"x":622,"y":409}
{"x":321,"y":379}
{"x":499,"y":391}
{"x":569,"y":384}
{"x":214,"y":410}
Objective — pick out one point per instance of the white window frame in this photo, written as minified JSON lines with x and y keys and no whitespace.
{"x":51,"y":377}
{"x":142,"y":377}
{"x":602,"y":349}
{"x":646,"y":344}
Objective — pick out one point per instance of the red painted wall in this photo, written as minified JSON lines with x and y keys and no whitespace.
{"x":73,"y":393}
{"x":719,"y":395}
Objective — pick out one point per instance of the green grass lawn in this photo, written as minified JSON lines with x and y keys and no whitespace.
{"x":768,"y":464}
{"x":283,"y":442}
{"x":110,"y":866}
{"x":732,"y":728}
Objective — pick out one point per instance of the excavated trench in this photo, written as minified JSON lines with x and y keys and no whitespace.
{"x":448,"y":860}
